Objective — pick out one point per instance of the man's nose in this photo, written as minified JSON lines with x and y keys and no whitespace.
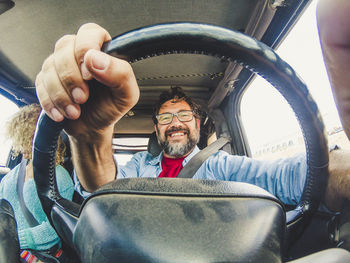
{"x":175,"y":120}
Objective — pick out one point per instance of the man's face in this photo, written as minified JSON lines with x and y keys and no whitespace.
{"x":177,"y":138}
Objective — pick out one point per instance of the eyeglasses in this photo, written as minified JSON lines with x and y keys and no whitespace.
{"x":183,"y":116}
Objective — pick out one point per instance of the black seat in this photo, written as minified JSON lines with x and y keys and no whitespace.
{"x":153,"y":145}
{"x":9,"y":244}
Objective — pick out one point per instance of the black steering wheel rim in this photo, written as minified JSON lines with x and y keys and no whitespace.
{"x":205,"y":39}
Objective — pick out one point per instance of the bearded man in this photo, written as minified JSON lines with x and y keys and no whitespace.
{"x":176,"y":120}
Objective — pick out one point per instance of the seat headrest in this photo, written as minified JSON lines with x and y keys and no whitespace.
{"x":153,"y":146}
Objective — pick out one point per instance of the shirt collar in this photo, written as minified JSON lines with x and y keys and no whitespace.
{"x":156,"y":160}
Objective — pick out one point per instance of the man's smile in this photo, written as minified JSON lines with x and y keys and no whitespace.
{"x":176,"y":134}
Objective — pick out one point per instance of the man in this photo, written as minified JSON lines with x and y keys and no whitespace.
{"x":177,"y":124}
{"x":63,"y":93}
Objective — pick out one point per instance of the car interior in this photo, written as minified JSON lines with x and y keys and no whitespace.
{"x":212,"y":49}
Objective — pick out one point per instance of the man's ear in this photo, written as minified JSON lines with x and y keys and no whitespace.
{"x":155,"y":129}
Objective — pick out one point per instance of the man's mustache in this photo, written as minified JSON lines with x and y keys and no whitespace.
{"x":175,"y":129}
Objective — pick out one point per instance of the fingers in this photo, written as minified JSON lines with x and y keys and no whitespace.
{"x":68,"y":70}
{"x":53,"y":97}
{"x":108,"y":70}
{"x":113,"y":72}
{"x":45,"y":100}
{"x":61,"y":85}
{"x":84,"y":42}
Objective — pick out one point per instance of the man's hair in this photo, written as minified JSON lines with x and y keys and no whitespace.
{"x":176,"y":94}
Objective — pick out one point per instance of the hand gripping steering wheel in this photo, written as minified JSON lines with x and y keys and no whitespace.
{"x":209,"y":40}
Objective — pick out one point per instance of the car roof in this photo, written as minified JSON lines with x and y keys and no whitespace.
{"x":30,"y":28}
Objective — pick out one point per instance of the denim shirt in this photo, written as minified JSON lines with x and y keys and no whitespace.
{"x":284,"y":178}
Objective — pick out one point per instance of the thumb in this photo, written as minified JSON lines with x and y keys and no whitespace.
{"x":108,"y":70}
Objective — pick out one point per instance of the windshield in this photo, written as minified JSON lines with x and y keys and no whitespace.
{"x":269,"y":122}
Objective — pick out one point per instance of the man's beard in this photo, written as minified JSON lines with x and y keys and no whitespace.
{"x":178,"y":149}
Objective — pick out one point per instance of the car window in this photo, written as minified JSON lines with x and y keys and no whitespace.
{"x":7,"y":109}
{"x":272,"y":129}
{"x":270,"y":124}
{"x":125,"y":147}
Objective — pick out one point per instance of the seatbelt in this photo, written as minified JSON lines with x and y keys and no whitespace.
{"x":32,"y":222}
{"x":193,"y":165}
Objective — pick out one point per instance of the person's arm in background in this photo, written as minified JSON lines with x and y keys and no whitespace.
{"x":333,"y":17}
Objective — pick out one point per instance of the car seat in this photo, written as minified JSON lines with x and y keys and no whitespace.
{"x":9,"y":244}
{"x":153,"y":146}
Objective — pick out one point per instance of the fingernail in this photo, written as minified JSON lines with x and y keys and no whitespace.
{"x":56,"y":114}
{"x":71,"y":112}
{"x":85,"y":72}
{"x":100,"y":61}
{"x":78,"y":95}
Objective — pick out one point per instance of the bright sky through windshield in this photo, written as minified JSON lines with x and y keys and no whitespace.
{"x":301,"y":49}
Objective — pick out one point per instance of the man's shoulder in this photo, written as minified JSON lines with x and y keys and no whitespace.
{"x":219,"y":154}
{"x":223,"y":158}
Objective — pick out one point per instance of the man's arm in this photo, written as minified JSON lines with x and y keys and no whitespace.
{"x":93,"y":160}
{"x":285,"y":178}
{"x":333,"y":17}
{"x":93,"y":91}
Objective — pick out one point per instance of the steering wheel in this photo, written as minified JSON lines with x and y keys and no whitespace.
{"x":202,"y":39}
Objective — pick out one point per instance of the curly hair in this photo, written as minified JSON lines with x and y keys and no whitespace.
{"x":20,"y":130}
{"x":177,"y":94}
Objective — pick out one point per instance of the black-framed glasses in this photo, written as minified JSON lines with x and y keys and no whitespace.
{"x":183,"y":116}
